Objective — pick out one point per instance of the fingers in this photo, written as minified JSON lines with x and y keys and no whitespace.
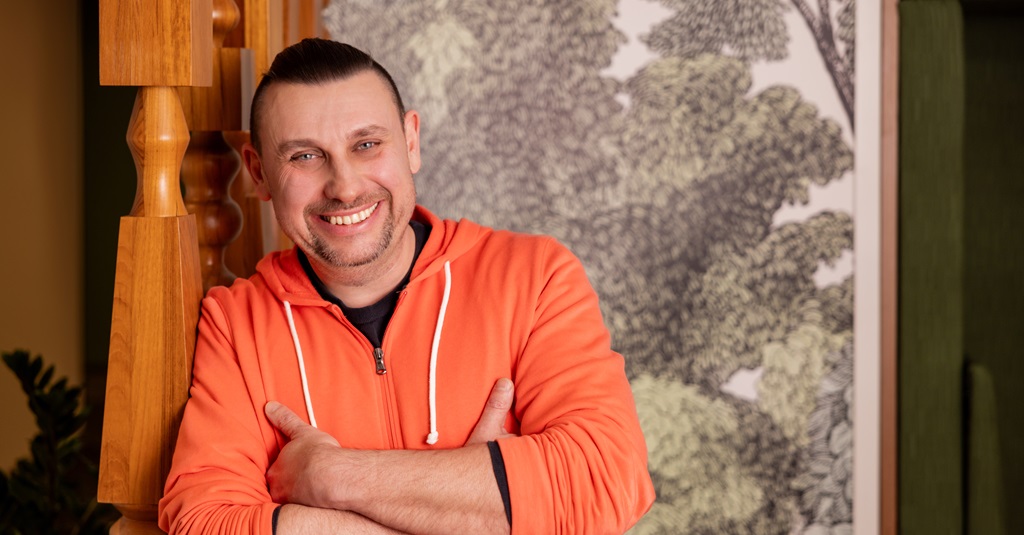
{"x":284,"y":419}
{"x":501,"y":398}
{"x":489,"y":426}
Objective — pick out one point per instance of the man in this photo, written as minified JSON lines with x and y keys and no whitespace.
{"x":362,"y":378}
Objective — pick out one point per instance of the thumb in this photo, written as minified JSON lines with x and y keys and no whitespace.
{"x":284,"y":419}
{"x":489,"y":426}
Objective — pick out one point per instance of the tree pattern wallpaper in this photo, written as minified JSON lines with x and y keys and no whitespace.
{"x":666,"y":184}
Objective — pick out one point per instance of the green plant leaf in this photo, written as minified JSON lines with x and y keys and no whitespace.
{"x":52,"y":491}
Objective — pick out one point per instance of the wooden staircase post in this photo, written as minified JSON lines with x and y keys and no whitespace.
{"x":155,"y":44}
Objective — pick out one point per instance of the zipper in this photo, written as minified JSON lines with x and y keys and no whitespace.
{"x":387,"y":393}
{"x":378,"y":357}
{"x":386,"y":385}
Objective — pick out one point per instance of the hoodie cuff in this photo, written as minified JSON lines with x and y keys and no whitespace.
{"x":498,"y":464}
{"x":273,"y":520}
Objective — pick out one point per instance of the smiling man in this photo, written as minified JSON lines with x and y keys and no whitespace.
{"x":395,"y":372}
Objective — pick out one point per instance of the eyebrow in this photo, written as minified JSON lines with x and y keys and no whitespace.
{"x":371,"y":130}
{"x":290,"y":145}
{"x":365,"y":131}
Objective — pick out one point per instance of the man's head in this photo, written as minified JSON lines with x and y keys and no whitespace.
{"x":311,"y":62}
{"x":336,"y":155}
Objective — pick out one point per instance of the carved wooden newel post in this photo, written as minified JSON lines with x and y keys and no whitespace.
{"x":210,"y":164}
{"x":155,"y":44}
{"x":252,"y":32}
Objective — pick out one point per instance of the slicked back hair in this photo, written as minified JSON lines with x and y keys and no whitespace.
{"x":314,"y":62}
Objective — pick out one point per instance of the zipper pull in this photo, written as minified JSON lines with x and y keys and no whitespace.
{"x":378,"y":356}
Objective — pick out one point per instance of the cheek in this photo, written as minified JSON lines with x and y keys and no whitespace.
{"x":290,"y":198}
{"x":395,"y":176}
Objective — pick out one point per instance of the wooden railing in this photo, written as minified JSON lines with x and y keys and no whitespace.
{"x":207,"y":55}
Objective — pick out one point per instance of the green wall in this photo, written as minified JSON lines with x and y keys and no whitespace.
{"x":961,"y":266}
{"x":994,"y":238}
{"x":931,"y":267}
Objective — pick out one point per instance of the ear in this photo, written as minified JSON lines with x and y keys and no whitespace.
{"x":412,"y":139}
{"x":255,"y":167}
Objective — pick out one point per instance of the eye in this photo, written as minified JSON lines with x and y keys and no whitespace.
{"x":304,"y":157}
{"x":367,"y":145}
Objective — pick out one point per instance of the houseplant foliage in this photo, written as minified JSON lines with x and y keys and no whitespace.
{"x":52,"y":491}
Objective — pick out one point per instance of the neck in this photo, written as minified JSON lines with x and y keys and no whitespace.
{"x":362,"y":286}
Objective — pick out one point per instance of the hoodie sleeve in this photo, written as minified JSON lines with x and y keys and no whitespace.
{"x":217,"y":482}
{"x":580,"y":464}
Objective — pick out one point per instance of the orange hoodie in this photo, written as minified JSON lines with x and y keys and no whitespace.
{"x":517,"y":306}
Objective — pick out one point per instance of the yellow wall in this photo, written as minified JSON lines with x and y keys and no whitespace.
{"x":41,"y":194}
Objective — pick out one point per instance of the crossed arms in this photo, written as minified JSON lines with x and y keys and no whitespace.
{"x":328,"y":487}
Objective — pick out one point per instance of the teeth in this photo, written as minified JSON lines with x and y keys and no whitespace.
{"x":352,"y":219}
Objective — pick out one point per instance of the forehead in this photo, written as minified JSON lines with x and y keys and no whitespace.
{"x":302,"y":110}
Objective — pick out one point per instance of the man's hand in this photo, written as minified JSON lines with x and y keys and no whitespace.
{"x":491,"y":425}
{"x":302,"y":473}
{"x":299,"y":473}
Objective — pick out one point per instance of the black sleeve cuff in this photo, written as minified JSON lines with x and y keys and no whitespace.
{"x":498,"y":464}
{"x":273,"y":522}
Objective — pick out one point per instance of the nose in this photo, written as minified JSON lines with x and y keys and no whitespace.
{"x":343,"y":181}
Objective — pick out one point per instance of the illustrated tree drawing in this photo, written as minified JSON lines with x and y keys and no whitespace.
{"x":666,"y":186}
{"x":754,"y":30}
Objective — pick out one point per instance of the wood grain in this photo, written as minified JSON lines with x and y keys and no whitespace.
{"x":156,"y":42}
{"x":254,"y":32}
{"x":157,"y":137}
{"x":224,"y":105}
{"x":152,"y":337}
{"x":309,"y":19}
{"x":277,"y":30}
{"x":136,"y":520}
{"x":209,"y":167}
{"x":245,"y":251}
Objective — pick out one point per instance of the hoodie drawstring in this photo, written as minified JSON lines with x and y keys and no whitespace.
{"x":432,"y":437}
{"x":302,"y":363}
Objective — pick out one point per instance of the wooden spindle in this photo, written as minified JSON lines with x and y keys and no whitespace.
{"x":157,"y":138}
{"x":208,"y":169}
{"x":211,"y":164}
{"x":225,"y":18}
{"x":246,"y":250}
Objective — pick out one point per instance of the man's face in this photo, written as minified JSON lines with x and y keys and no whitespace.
{"x":338,"y":164}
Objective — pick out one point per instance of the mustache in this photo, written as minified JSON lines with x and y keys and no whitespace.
{"x":334,"y":205}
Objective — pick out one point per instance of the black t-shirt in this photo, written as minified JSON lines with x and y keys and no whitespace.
{"x":371,"y":320}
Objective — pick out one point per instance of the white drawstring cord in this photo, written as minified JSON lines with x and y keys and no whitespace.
{"x":302,"y":364}
{"x":432,"y":437}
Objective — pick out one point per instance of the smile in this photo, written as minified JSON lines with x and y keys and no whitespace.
{"x":357,"y":217}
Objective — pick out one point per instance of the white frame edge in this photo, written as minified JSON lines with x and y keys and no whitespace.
{"x":867,"y":270}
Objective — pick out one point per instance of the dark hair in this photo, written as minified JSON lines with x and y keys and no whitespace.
{"x":316,"y":61}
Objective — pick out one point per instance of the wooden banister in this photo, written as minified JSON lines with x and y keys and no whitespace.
{"x":156,"y":44}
